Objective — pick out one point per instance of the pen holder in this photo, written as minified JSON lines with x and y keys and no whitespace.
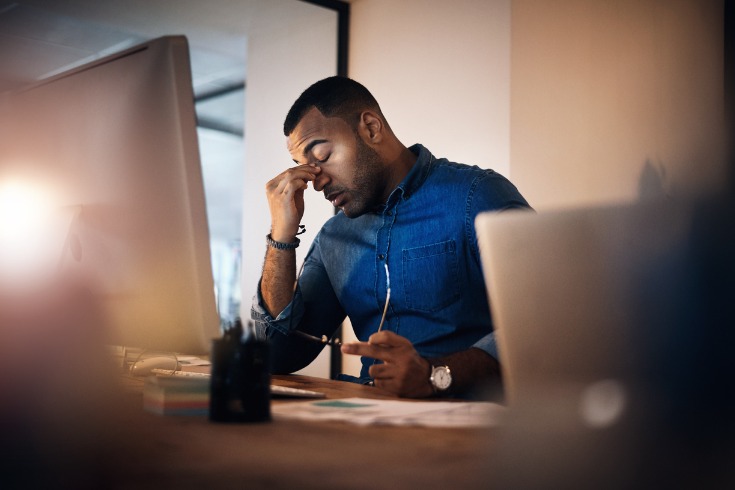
{"x":240,"y":384}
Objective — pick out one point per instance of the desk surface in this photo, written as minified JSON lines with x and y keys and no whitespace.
{"x":191,"y":452}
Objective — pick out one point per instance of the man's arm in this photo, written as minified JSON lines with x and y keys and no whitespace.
{"x":279,"y":277}
{"x":285,"y":195}
{"x":405,"y":373}
{"x":314,"y":310}
{"x":278,"y":306}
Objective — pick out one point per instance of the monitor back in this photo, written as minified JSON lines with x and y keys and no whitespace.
{"x":117,"y":139}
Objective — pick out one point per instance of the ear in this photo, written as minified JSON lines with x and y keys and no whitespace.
{"x":371,"y":127}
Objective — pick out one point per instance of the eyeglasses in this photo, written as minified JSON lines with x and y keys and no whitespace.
{"x":387,"y":296}
{"x":336,"y":341}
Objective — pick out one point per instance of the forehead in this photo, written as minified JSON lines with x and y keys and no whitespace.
{"x":314,"y":126}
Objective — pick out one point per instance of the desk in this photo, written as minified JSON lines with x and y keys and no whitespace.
{"x":191,"y":452}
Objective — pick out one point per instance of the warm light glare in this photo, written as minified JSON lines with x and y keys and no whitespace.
{"x":27,"y":227}
{"x":22,"y":208}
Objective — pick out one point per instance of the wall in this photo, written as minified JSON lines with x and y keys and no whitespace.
{"x":283,"y":59}
{"x":617,"y":99}
{"x":441,"y":72}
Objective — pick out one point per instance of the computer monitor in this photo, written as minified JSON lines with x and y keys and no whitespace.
{"x":116,"y":140}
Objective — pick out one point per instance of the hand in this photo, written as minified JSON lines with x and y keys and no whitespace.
{"x":285,"y":195}
{"x":403,"y":372}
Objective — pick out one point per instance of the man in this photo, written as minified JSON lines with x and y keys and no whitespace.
{"x":405,"y":230}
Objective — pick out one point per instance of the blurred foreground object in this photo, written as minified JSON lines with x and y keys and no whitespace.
{"x":57,"y":396}
{"x":624,"y":377}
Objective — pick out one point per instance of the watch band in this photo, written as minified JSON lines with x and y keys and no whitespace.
{"x":280,"y":245}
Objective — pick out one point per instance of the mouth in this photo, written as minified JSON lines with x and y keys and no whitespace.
{"x":336,"y":198}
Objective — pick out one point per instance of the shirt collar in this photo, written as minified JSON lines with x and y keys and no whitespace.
{"x":415,"y":178}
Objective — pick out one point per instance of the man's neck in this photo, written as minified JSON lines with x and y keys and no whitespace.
{"x":399,"y":163}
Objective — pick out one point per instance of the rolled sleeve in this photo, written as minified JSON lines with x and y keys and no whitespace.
{"x":488,"y":344}
{"x":314,"y":310}
{"x":266,"y":325}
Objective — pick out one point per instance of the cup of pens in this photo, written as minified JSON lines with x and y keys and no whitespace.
{"x":240,"y":382}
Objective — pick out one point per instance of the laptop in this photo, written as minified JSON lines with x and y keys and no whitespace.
{"x":588,"y":306}
{"x":570,"y":288}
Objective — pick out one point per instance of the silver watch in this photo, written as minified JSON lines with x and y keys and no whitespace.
{"x":441,"y":378}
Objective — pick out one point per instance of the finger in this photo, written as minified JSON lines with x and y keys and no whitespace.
{"x":381,"y":372}
{"x":309,"y":170}
{"x":289,"y":188}
{"x":365,"y":349}
{"x":388,"y":338}
{"x":292,"y":180}
{"x":304,"y":173}
{"x":389,"y":384}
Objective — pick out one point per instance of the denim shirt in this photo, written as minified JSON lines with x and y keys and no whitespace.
{"x":425,"y":234}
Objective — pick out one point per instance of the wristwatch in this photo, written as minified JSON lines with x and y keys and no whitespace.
{"x":441,"y":378}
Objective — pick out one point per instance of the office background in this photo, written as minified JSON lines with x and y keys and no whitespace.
{"x":578,"y":102}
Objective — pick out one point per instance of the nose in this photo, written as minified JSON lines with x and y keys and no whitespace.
{"x":320,"y":181}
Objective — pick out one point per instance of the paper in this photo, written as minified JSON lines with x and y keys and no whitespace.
{"x":365,"y":411}
{"x":192,"y":361}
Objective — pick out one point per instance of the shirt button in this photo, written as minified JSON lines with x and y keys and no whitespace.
{"x":381,"y":257}
{"x":389,"y":213}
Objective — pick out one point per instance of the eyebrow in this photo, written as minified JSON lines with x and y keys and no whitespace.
{"x":309,"y":147}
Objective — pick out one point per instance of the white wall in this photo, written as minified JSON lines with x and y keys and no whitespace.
{"x":612,"y":99}
{"x":441,"y":72}
{"x":282,"y":61}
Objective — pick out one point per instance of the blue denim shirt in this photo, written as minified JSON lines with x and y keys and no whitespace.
{"x":426,"y":235}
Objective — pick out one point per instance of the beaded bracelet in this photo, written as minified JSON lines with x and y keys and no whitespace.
{"x":280,"y":245}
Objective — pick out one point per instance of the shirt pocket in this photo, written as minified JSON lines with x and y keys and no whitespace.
{"x":430,"y":276}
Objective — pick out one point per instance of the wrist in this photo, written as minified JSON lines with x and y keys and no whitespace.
{"x":282,"y":237}
{"x":287,"y":235}
{"x":428,"y":387}
{"x":277,"y":244}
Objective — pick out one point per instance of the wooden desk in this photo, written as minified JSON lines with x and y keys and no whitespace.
{"x":191,"y":452}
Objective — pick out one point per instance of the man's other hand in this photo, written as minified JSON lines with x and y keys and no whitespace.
{"x":403,"y":371}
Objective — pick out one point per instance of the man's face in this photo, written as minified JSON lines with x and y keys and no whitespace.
{"x":353,"y":176}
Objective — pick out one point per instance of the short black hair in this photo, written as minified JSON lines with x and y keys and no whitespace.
{"x":334,"y":97}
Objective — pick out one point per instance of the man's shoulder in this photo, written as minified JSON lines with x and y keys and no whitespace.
{"x":488,"y":188}
{"x":448,"y":171}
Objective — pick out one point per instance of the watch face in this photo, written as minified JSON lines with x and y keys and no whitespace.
{"x":441,"y":378}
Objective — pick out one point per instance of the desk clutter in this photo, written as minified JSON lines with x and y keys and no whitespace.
{"x":240,"y":382}
{"x":176,"y":395}
{"x":237,"y":390}
{"x":170,"y":392}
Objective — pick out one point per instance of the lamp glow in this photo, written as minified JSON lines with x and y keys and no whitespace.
{"x":28,"y":231}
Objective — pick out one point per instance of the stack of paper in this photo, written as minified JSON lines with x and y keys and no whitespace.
{"x":176,"y":395}
{"x":363,"y":411}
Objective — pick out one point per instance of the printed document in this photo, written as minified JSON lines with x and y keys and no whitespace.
{"x":365,"y":411}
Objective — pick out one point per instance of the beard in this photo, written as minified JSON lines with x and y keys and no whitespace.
{"x":368,"y":186}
